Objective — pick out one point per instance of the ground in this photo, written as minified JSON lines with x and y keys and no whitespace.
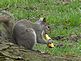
{"x":63,"y":16}
{"x":12,"y":52}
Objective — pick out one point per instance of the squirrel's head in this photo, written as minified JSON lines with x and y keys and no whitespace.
{"x":43,"y":34}
{"x":45,"y":26}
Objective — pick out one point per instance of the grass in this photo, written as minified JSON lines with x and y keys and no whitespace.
{"x":60,"y":16}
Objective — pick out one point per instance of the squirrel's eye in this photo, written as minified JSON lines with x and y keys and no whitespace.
{"x":48,"y":26}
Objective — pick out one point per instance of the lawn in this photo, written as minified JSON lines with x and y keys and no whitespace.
{"x":64,"y":19}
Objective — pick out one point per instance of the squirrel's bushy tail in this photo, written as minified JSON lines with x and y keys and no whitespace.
{"x":8,"y":21}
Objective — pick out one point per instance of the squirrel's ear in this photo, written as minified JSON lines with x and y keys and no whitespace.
{"x":41,"y":20}
{"x":44,"y":19}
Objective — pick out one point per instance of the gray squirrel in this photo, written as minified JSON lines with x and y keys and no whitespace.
{"x":26,"y":33}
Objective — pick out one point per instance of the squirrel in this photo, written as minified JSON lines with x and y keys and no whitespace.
{"x":26,"y":33}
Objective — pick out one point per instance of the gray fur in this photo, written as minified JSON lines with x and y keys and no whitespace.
{"x":24,"y":36}
{"x":26,"y":33}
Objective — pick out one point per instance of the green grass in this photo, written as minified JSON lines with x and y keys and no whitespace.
{"x":60,"y":16}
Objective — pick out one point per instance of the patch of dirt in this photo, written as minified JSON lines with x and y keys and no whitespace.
{"x":71,"y":38}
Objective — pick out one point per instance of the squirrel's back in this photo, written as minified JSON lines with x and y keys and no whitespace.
{"x":24,"y":34}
